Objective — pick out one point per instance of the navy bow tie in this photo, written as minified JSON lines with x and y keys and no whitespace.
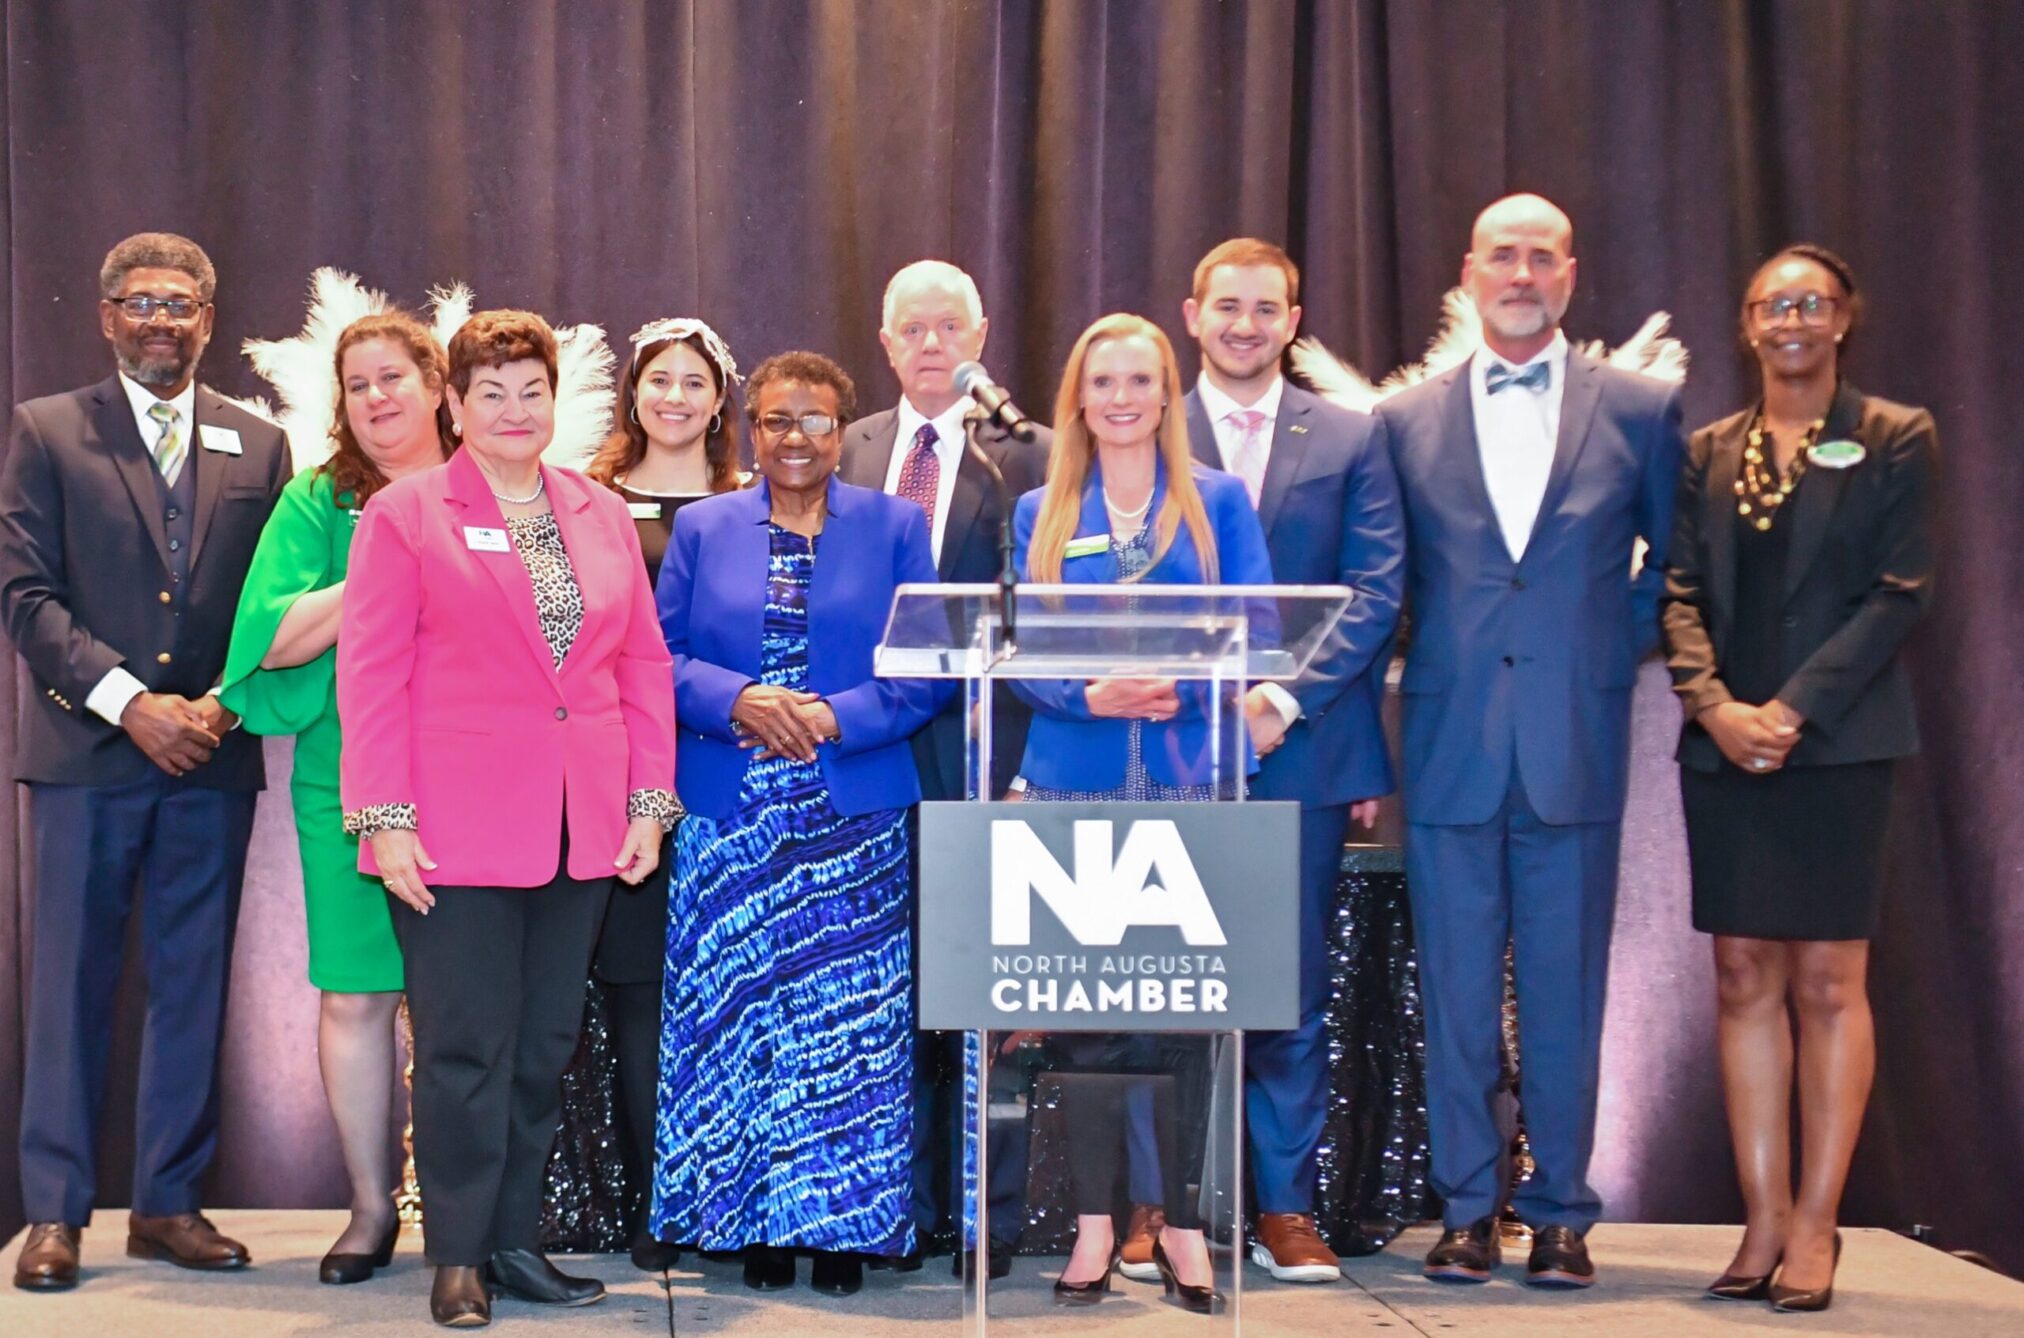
{"x":1534,"y":378}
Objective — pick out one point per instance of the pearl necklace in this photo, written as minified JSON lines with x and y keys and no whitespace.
{"x":1123,"y":514}
{"x":539,"y":484}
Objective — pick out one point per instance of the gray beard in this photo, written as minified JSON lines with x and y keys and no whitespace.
{"x":155,"y":371}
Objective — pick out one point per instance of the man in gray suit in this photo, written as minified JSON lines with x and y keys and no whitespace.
{"x":1528,"y":475}
{"x":128,"y":515}
{"x":932,"y":323}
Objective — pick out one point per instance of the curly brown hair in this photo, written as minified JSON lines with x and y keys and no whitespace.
{"x":627,"y":445}
{"x":495,"y":338}
{"x":351,"y":471}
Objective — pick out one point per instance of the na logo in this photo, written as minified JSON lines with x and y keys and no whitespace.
{"x":1149,"y":881}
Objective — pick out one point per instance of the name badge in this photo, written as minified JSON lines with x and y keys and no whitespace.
{"x":644,"y":510}
{"x":223,"y":440}
{"x":1087,"y":547}
{"x":481,"y":540}
{"x":1842,"y":454}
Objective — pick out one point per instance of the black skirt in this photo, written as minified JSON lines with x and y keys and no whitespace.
{"x":1797,"y":854}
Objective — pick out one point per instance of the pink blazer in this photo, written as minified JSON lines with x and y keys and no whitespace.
{"x":449,"y":697}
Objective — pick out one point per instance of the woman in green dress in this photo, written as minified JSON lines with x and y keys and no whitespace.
{"x":280,"y":675}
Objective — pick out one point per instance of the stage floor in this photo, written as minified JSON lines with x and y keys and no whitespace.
{"x":1652,"y":1276}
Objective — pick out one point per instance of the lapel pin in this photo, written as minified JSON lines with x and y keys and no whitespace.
{"x":1301,"y":428}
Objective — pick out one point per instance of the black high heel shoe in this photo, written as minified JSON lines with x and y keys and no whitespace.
{"x":836,"y":1273}
{"x":1791,"y":1300}
{"x":1201,"y":1300}
{"x":1738,"y":1287}
{"x":339,"y":1270}
{"x":1085,"y":1293}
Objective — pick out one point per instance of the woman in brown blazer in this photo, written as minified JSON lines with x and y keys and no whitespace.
{"x":1802,"y":556}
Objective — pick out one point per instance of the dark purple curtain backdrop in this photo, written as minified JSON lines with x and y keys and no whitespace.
{"x":768,"y":163}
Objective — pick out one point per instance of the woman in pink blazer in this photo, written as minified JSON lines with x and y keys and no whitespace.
{"x":508,"y":707}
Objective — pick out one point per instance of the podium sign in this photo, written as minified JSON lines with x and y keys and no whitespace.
{"x":1109,"y":916}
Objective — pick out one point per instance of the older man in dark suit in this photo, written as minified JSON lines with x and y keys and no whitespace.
{"x":1529,"y":475}
{"x":1322,"y":482}
{"x":128,"y":514}
{"x":933,"y":322}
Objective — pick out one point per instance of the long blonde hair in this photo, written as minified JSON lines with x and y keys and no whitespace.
{"x":1068,"y":466}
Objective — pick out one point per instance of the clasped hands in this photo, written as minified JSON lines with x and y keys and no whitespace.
{"x":1756,"y":738}
{"x":177,"y":734}
{"x":781,"y":722}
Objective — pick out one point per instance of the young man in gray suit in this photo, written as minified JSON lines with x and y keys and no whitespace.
{"x":933,"y":322}
{"x":128,"y":515}
{"x":1529,"y":473}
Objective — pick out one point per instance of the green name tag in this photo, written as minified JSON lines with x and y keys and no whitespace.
{"x":1841,"y":454}
{"x":1087,"y":547}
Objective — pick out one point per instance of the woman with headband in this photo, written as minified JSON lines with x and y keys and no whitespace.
{"x":676,"y":440}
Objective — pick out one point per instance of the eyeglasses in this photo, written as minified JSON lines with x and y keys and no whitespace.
{"x":1814,"y":309}
{"x":811,"y":424}
{"x":142,"y":306}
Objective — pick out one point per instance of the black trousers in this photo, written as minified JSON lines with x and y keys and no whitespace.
{"x":1101,"y":1074}
{"x":495,"y":990}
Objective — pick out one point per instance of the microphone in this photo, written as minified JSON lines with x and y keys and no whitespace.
{"x":996,"y":401}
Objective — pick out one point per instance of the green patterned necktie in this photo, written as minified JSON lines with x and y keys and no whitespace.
{"x":169,"y":446}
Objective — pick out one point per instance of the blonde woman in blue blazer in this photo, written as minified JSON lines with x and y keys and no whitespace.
{"x":1125,"y":504}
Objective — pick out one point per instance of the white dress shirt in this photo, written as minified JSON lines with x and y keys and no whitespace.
{"x":1229,"y":441}
{"x":948,"y":450}
{"x":108,"y":698}
{"x":1515,"y":434}
{"x":1230,"y":437}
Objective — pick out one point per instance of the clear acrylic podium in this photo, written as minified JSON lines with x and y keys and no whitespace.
{"x":1071,"y":1100}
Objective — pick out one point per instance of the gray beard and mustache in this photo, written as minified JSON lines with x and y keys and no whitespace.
{"x":158,"y":371}
{"x":1523,"y":318}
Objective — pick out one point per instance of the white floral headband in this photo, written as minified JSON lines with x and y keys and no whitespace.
{"x":686,"y":327}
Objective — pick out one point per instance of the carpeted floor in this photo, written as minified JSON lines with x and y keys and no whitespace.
{"x":1889,"y":1287}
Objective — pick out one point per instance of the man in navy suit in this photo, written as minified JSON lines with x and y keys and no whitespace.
{"x":1529,"y":473}
{"x":128,"y":515}
{"x":931,"y":323}
{"x":1321,"y":479}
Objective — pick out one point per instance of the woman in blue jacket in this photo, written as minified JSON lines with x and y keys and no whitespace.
{"x":786,"y":1056}
{"x":1125,"y":503}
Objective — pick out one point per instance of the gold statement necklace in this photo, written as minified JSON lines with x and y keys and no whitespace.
{"x":1762,"y":490}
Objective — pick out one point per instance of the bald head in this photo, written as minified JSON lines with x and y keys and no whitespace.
{"x":1520,"y":272}
{"x":1531,"y":214}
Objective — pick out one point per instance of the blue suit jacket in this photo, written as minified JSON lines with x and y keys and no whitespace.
{"x":1068,"y":748}
{"x":1531,"y":660}
{"x":713,"y":616}
{"x":1331,"y":515}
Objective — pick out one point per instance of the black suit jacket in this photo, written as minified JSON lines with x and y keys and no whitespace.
{"x":84,"y":575}
{"x":969,"y":555}
{"x":1858,"y":576}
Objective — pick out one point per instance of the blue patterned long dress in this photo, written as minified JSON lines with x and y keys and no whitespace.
{"x":787,"y":1043}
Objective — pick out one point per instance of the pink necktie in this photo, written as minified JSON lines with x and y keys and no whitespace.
{"x":1251,"y":450}
{"x":921,"y":475}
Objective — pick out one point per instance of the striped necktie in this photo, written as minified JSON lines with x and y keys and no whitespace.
{"x":169,"y":452}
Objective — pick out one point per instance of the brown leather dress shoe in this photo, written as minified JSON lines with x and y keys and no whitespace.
{"x":1290,"y":1248}
{"x":1135,"y":1258}
{"x":48,"y":1261}
{"x":1559,"y":1259}
{"x":187,"y":1240}
{"x":1466,"y":1254}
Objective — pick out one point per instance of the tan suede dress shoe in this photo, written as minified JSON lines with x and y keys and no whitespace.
{"x":48,"y":1261}
{"x":1290,"y":1248}
{"x":187,"y":1240}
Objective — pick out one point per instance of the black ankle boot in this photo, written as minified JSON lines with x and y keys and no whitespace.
{"x":526,"y":1275}
{"x":458,"y":1299}
{"x":836,"y":1274}
{"x":768,"y":1269}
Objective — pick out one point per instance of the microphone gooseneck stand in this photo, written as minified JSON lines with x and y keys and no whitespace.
{"x":1008,"y":572}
